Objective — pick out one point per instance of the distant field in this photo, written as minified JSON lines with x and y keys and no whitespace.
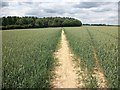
{"x":103,"y":41}
{"x":28,"y":54}
{"x":28,"y":57}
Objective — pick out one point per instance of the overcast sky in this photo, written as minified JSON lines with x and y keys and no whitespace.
{"x":88,"y":12}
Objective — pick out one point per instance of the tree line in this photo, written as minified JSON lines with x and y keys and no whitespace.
{"x":14,"y":22}
{"x":98,"y":25}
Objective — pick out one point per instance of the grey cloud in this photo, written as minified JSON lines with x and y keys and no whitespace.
{"x":102,"y":10}
{"x":58,"y":11}
{"x":106,"y":7}
{"x":4,"y":4}
{"x":33,"y":12}
{"x":87,"y":5}
{"x":50,"y":11}
{"x":26,"y":3}
{"x":113,"y":17}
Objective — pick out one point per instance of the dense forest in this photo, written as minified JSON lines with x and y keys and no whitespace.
{"x":14,"y":22}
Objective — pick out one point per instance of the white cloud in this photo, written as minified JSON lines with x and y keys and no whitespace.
{"x":62,"y":1}
{"x":87,"y":12}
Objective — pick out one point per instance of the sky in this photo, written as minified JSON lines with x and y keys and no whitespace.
{"x":88,"y":11}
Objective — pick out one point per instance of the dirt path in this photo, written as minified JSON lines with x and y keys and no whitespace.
{"x":66,"y":76}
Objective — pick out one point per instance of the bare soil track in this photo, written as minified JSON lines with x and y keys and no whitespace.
{"x":66,"y":76}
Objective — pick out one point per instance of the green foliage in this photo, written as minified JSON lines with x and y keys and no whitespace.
{"x":39,"y":22}
{"x":107,"y":52}
{"x":15,"y":27}
{"x":80,"y":42}
{"x":28,"y":57}
{"x":105,"y":40}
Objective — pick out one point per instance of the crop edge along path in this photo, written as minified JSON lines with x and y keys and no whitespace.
{"x":66,"y":72}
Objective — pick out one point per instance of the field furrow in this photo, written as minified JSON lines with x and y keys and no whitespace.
{"x":98,"y":73}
